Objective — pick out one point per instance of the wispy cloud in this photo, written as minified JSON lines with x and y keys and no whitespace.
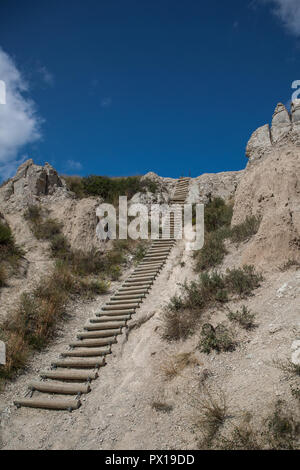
{"x":74,"y":165}
{"x":47,"y":77}
{"x":106,"y":102}
{"x":19,"y":121}
{"x":288,"y":11}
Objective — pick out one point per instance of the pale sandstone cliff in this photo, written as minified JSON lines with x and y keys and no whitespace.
{"x":270,"y":188}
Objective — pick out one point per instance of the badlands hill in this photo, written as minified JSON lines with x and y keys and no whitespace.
{"x":236,"y":352}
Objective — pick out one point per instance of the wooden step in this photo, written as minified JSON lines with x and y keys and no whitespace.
{"x":77,"y":363}
{"x":110,"y":318}
{"x":146,"y":271}
{"x":146,"y":277}
{"x":121,"y":306}
{"x":49,"y":404}
{"x":105,"y":326}
{"x":114,"y":313}
{"x":118,"y":296}
{"x":58,"y":387}
{"x":92,"y":343}
{"x":123,"y":301}
{"x":137,"y":283}
{"x":87,"y":352}
{"x":99,"y":334}
{"x":76,"y":375}
{"x":138,"y":289}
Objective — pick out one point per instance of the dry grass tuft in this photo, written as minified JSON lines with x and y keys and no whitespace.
{"x":211,"y":412}
{"x":172,"y":366}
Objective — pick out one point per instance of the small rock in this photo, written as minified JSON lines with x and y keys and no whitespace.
{"x":274,"y":329}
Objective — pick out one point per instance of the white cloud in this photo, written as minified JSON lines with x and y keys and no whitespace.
{"x":106,"y":102}
{"x":73,"y":165}
{"x":19,"y":122}
{"x":288,"y":11}
{"x":47,"y":76}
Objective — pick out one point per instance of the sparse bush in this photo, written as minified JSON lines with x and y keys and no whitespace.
{"x":296,"y":393}
{"x":34,"y":322}
{"x":278,"y":431}
{"x":244,"y":317}
{"x":290,"y":264}
{"x":242,"y":437}
{"x":217,"y":214}
{"x":60,"y":247}
{"x":287,"y":366}
{"x":178,"y":324}
{"x":93,"y":287}
{"x":282,"y":430}
{"x":211,"y":412}
{"x":42,"y":227}
{"x":140,"y":252}
{"x":242,"y":281}
{"x":10,"y":254}
{"x":6,"y":237}
{"x":212,"y":253}
{"x":244,"y":231}
{"x":185,"y":310}
{"x":115,"y":273}
{"x":109,"y":188}
{"x":219,"y":339}
{"x":33,"y":213}
{"x":217,"y":219}
{"x":75,"y":184}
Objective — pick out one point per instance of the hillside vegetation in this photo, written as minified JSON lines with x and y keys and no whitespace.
{"x":109,"y":188}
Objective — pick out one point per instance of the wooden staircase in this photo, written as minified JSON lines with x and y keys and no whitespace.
{"x":73,"y":373}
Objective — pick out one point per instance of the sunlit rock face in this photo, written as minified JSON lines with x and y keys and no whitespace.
{"x":281,"y":123}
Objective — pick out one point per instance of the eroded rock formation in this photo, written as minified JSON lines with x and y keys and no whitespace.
{"x":285,"y":129}
{"x":30,"y":182}
{"x":270,"y":188}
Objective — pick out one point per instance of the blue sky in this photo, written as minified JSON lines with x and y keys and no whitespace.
{"x":123,"y":87}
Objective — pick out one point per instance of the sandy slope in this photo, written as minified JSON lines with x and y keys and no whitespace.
{"x":117,"y":414}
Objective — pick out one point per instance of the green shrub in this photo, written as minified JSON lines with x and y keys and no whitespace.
{"x":184,"y":311}
{"x":6,"y":237}
{"x":60,"y":247}
{"x":287,"y":366}
{"x":278,"y":431}
{"x":212,"y":253}
{"x":109,"y":188}
{"x":217,"y":219}
{"x":33,"y":213}
{"x":242,"y":281}
{"x":115,"y":273}
{"x":282,"y":429}
{"x":178,"y":324}
{"x":42,"y":227}
{"x":290,"y":264}
{"x":244,"y":317}
{"x":219,"y":339}
{"x":140,"y":252}
{"x":10,"y":254}
{"x":217,"y":214}
{"x":75,"y":184}
{"x":244,"y":231}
